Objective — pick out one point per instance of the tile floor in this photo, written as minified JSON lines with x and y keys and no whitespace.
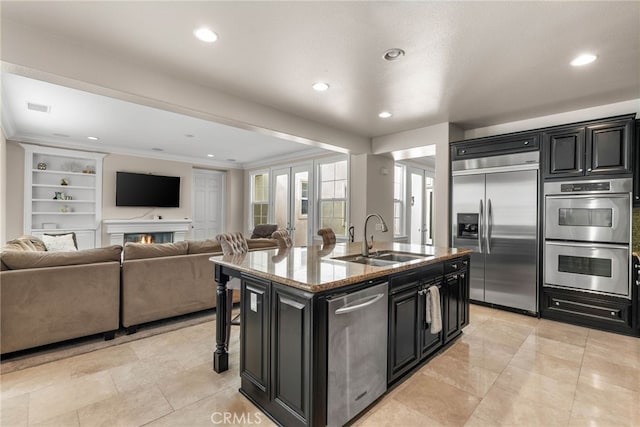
{"x":506,"y":369}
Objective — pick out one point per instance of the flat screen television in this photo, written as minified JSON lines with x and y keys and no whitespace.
{"x":137,"y":189}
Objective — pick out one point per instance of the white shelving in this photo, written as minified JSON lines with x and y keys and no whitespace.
{"x":63,"y":192}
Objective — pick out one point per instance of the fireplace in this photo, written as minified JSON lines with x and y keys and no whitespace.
{"x":121,"y":231}
{"x":156,"y":237}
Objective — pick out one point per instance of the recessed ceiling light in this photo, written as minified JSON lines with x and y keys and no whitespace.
{"x":93,"y":138}
{"x":393,"y":54}
{"x":61,"y":135}
{"x":206,"y":35}
{"x":385,"y":115}
{"x":210,"y":155}
{"x":320,"y":86}
{"x":584,"y":59}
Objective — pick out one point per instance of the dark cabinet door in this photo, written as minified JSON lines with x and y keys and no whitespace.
{"x":404,"y":349}
{"x":429,"y":342}
{"x":254,"y":335}
{"x":463,"y":310}
{"x":451,"y":316}
{"x":609,"y":148}
{"x":290,"y":355}
{"x":636,"y":166}
{"x":565,"y":152}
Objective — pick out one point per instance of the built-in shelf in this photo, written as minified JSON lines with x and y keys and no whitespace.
{"x":41,"y":209}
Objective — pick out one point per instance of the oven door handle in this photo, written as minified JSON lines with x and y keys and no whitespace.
{"x":489,"y":225}
{"x":587,"y":245}
{"x":481,"y":227}
{"x":588,"y":196}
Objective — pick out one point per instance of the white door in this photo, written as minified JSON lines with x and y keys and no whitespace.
{"x":420,"y":199}
{"x":208,"y":204}
{"x":291,"y":204}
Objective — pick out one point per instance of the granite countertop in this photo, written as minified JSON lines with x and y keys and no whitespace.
{"x":314,"y":269}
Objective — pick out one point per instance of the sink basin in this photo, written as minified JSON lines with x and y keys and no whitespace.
{"x":382,"y":258}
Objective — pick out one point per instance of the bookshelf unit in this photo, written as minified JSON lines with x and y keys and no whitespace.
{"x":50,"y":206}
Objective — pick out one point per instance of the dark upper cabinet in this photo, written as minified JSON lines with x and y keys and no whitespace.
{"x":593,"y":148}
{"x":636,"y":167}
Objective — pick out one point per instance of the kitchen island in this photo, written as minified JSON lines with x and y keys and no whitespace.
{"x":286,"y":344}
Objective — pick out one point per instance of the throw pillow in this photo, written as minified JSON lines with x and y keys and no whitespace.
{"x":60,"y":242}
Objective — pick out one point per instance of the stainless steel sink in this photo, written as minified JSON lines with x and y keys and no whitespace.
{"x":383,"y":258}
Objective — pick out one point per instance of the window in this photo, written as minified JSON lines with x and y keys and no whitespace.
{"x":398,"y":200}
{"x":332,"y":196}
{"x":260,"y":198}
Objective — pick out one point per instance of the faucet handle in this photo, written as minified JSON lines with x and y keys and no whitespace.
{"x":370,"y":245}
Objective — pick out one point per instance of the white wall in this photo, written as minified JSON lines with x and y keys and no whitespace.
{"x":3,"y":187}
{"x":15,"y":190}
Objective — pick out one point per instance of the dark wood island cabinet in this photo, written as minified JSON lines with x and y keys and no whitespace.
{"x":284,"y":348}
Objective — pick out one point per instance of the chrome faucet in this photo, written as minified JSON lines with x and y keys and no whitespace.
{"x":365,"y":243}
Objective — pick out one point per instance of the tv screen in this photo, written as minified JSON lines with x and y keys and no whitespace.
{"x":137,"y":189}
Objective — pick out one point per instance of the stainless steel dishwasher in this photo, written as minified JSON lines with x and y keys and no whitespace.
{"x":357,"y":350}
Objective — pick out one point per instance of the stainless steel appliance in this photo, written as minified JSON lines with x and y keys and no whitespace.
{"x":495,"y":213}
{"x":587,"y":235}
{"x":357,"y":368}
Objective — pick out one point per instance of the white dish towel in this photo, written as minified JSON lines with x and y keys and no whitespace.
{"x":433,"y":314}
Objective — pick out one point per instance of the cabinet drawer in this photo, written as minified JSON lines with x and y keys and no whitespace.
{"x":589,"y":310}
{"x":401,"y":281}
{"x":456,"y":265}
{"x":495,"y":146}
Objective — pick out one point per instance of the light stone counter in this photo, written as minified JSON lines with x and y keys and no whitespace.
{"x":314,"y":269}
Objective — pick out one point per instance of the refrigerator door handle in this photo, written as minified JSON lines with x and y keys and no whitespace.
{"x":481,"y":227}
{"x":489,"y":225}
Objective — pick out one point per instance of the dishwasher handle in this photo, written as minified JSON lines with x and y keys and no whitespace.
{"x":359,"y":304}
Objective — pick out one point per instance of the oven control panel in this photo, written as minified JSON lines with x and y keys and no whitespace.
{"x":585,"y":186}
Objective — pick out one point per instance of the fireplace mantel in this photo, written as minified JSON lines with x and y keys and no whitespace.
{"x":117,"y":228}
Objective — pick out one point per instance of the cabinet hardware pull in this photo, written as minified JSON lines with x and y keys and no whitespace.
{"x":580,"y":170}
{"x":589,"y":170}
{"x":557,"y":303}
{"x":454,"y":266}
{"x":613,"y":313}
{"x":526,"y":143}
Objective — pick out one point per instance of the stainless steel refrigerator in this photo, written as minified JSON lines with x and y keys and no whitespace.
{"x":495,"y":213}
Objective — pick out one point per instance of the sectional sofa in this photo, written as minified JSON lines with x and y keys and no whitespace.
{"x":47,"y":297}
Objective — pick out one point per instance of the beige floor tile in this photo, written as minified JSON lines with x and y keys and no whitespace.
{"x":69,"y":419}
{"x":503,"y":333}
{"x":160,"y":344}
{"x":518,"y":319}
{"x":101,"y":360}
{"x":14,"y":411}
{"x":619,"y":356}
{"x":561,"y":350}
{"x":537,"y":388}
{"x":144,"y":372}
{"x":562,"y":332}
{"x":605,"y":404}
{"x":440,"y":401}
{"x":212,"y":410}
{"x":506,"y":408}
{"x":133,"y":408}
{"x":479,"y":352}
{"x":35,"y":378}
{"x":204,"y":332}
{"x":600,"y":369}
{"x":614,"y":342}
{"x":196,"y":354}
{"x":393,"y":413}
{"x":473,"y":379}
{"x":550,"y":366}
{"x":70,"y":395}
{"x":191,"y":385}
{"x":474,"y":421}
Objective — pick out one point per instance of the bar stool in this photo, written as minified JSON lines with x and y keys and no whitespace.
{"x":232,"y":244}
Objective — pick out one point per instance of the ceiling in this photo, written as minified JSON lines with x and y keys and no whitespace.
{"x":473,"y":64}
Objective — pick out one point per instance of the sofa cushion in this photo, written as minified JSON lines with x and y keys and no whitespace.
{"x":204,"y":247}
{"x":263,"y":231}
{"x":25,"y":243}
{"x":233,"y":243}
{"x":63,"y":242}
{"x":19,"y":260}
{"x":143,"y":250}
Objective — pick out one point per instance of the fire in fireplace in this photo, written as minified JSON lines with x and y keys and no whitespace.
{"x":149,"y":238}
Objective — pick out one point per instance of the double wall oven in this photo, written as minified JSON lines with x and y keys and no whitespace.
{"x":588,"y":236}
